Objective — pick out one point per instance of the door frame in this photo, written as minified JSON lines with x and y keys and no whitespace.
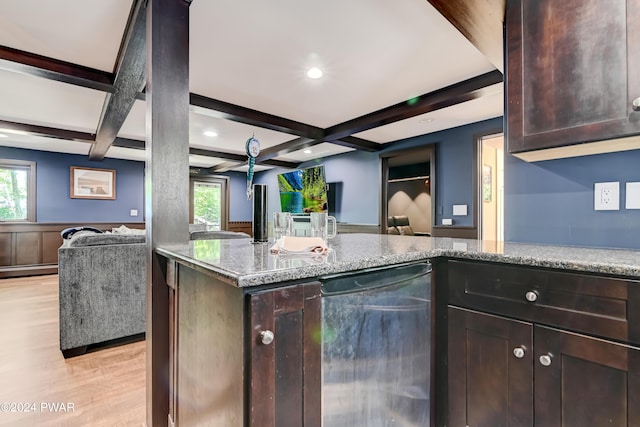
{"x":428,"y":151}
{"x":477,"y":182}
{"x":224,"y":183}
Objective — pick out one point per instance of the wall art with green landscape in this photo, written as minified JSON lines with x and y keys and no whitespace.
{"x":303,"y":190}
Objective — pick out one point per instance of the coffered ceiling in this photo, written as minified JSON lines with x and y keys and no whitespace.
{"x":392,"y":70}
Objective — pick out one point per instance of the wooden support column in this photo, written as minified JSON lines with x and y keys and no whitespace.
{"x":166,"y":179}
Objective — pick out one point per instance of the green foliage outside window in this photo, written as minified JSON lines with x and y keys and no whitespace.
{"x":207,"y":200}
{"x":13,"y":194}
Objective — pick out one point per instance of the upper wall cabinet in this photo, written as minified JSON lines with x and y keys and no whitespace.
{"x":573,"y":76}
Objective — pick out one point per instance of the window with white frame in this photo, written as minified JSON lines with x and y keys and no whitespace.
{"x":17,"y":190}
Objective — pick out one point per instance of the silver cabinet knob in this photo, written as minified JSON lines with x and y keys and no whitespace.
{"x":545,"y":359}
{"x":531,"y":296}
{"x":518,"y":352}
{"x":266,"y":337}
{"x":636,"y":104}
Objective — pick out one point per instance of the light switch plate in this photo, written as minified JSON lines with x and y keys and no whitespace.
{"x":134,"y":212}
{"x":447,"y":221}
{"x":606,"y":196}
{"x":632,"y":200}
{"x":460,"y":210}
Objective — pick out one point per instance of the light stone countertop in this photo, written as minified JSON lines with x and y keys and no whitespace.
{"x":243,"y":263}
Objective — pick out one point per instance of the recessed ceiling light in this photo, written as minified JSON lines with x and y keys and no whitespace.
{"x":2,"y":135}
{"x":210,"y":133}
{"x":314,"y":73}
{"x":307,"y":151}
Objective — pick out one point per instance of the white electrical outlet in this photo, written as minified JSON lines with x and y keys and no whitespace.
{"x":606,"y":196}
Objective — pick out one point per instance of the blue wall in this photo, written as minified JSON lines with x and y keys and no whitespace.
{"x":454,"y":166}
{"x":239,"y":206}
{"x":545,"y":202}
{"x":552,"y":201}
{"x":53,"y":201}
{"x":359,"y":173}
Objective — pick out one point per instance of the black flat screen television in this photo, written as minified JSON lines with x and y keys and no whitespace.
{"x":303,"y":190}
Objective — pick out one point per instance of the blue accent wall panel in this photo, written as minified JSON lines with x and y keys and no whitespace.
{"x":454,"y":166}
{"x":53,"y":201}
{"x":359,"y":173}
{"x":239,"y":206}
{"x":552,"y":201}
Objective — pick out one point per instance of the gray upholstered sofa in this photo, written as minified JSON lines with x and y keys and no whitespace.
{"x":103,"y":287}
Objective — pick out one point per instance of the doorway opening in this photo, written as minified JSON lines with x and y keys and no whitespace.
{"x":408,"y":188}
{"x":491,"y":187}
{"x":209,"y":201}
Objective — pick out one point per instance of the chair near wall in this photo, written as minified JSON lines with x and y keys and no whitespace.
{"x":401,"y":223}
{"x":391,"y":229}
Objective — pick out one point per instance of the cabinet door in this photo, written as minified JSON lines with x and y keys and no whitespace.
{"x":583,"y":381}
{"x":490,"y":370}
{"x":572,"y":71}
{"x":285,"y":357}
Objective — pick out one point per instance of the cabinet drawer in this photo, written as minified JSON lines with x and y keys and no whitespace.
{"x":602,"y":306}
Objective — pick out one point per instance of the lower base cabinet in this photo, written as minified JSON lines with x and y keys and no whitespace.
{"x":505,"y":372}
{"x":489,"y":386}
{"x":242,"y":357}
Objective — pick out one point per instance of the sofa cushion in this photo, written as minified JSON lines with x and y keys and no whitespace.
{"x":197,"y":227}
{"x":220,"y":234}
{"x":83,"y":238}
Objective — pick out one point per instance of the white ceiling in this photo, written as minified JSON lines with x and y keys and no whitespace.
{"x":374,"y":53}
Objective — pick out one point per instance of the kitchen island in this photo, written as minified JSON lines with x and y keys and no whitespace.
{"x":246,"y":327}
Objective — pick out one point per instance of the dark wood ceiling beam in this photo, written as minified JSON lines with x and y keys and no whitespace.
{"x":224,"y":110}
{"x":136,"y":144}
{"x":54,"y":69}
{"x":279,"y":163}
{"x":464,"y":91}
{"x":287,"y":147}
{"x":357,"y":143}
{"x":218,"y":154}
{"x":222,"y":167}
{"x":47,"y":132}
{"x":130,"y":79}
{"x":480,"y":22}
{"x":241,"y":158}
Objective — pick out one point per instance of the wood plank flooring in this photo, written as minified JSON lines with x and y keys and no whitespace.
{"x":101,"y":388}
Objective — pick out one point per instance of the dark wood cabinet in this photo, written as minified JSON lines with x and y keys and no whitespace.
{"x":489,"y":386}
{"x":584,"y":381}
{"x":537,"y":347}
{"x":242,"y":357}
{"x":573,"y":73}
{"x":285,"y":357}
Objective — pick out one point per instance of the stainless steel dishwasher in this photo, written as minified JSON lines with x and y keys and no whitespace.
{"x":376,"y":333}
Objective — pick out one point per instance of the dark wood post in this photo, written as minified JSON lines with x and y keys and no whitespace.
{"x":166,"y":179}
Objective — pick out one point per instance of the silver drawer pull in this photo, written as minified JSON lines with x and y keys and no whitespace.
{"x":519,"y":352}
{"x":531,"y":296}
{"x":636,"y":104}
{"x":266,"y":337}
{"x":545,"y":359}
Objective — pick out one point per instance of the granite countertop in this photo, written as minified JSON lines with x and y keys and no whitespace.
{"x":242,"y":263}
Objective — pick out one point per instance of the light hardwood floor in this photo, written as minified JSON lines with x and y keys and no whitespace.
{"x":101,"y":388}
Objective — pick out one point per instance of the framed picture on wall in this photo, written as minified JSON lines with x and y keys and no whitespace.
{"x":486,"y":183}
{"x":91,"y":183}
